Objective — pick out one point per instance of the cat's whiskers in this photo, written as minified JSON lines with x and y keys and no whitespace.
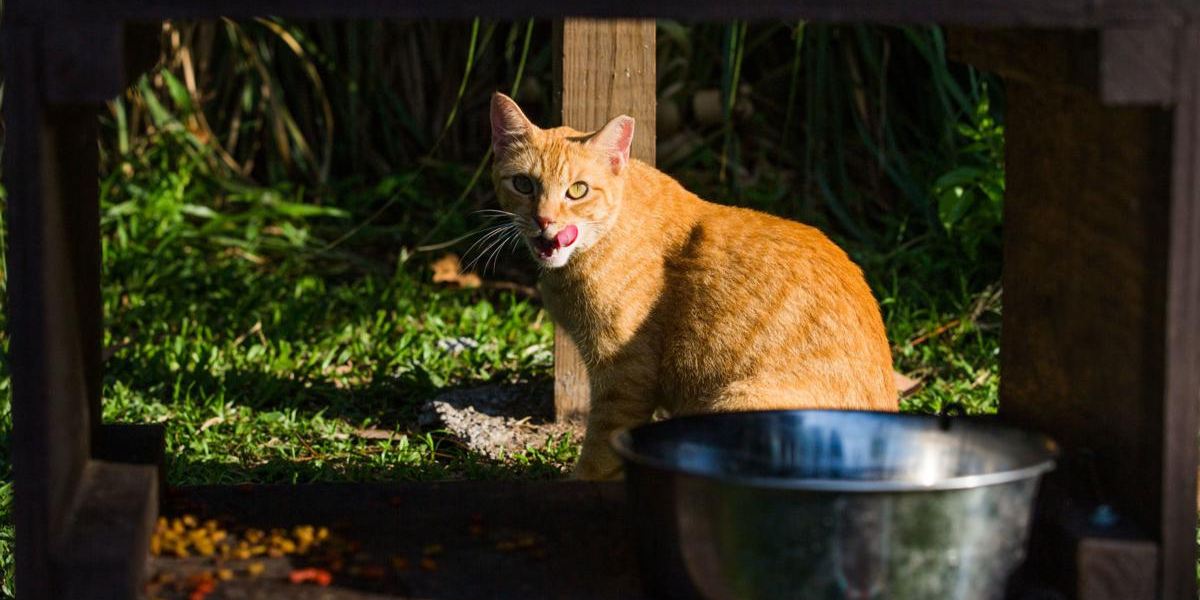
{"x":493,"y":213}
{"x":497,"y":237}
{"x":495,"y":234}
{"x":513,"y":237}
{"x":487,"y":233}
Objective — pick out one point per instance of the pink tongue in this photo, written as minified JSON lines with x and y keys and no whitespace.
{"x":567,"y":236}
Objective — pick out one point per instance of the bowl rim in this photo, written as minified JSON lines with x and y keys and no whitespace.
{"x":621,"y":441}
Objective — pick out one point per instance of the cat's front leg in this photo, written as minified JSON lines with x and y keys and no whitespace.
{"x":621,"y":398}
{"x":596,"y":457}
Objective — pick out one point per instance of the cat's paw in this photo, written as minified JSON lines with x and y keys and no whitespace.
{"x":591,"y":471}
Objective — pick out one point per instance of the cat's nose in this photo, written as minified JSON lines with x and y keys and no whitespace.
{"x":544,"y":222}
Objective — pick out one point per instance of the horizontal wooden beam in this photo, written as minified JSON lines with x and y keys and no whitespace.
{"x":1026,"y":13}
{"x":83,"y":61}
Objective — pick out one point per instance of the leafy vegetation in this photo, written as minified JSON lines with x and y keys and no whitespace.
{"x":273,"y":196}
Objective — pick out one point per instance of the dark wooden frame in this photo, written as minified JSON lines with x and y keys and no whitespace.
{"x":1102,"y":278}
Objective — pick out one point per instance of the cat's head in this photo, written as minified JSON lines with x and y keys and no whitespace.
{"x":561,"y":187}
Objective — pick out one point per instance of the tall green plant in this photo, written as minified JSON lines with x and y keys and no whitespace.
{"x":868,"y":132}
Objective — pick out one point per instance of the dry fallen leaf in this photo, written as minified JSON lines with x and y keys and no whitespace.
{"x":374,"y":434}
{"x":448,"y":269}
{"x":905,"y":385}
{"x":211,"y":422}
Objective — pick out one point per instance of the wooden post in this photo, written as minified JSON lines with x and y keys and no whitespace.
{"x":1101,"y":343}
{"x":51,"y":399}
{"x":604,"y":68}
{"x":82,"y":526}
{"x":1181,"y":343}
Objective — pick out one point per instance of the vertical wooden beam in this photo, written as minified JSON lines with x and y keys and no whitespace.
{"x":51,"y":175}
{"x":82,"y":526}
{"x":604,"y":68}
{"x":1102,"y":283}
{"x":1085,"y":223}
{"x":1181,"y":414}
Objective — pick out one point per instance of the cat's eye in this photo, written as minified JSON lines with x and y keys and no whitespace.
{"x":522,"y":184}
{"x":577,"y":190}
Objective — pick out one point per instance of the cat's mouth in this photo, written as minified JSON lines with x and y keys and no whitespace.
{"x":546,"y":247}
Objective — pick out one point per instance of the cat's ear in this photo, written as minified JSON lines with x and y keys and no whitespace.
{"x":509,"y":124}
{"x":615,"y":138}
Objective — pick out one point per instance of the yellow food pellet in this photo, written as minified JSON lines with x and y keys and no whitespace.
{"x":254,"y":535}
{"x":322,"y":533}
{"x":224,"y":574}
{"x":255,"y":569}
{"x":257,"y":550}
{"x":211,"y":525}
{"x":189,"y":520}
{"x":205,"y":548}
{"x":181,"y":552}
{"x":156,"y":545}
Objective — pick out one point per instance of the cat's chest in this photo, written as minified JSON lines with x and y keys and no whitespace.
{"x":602,"y":314}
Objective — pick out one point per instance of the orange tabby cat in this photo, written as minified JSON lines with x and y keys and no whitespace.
{"x":679,"y":303}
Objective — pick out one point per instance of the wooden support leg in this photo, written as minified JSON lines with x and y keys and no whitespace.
{"x":604,"y":68}
{"x":1101,"y":341}
{"x":50,"y":162}
{"x":66,"y":505}
{"x":1181,"y":413}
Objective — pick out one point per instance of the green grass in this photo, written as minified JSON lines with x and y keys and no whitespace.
{"x":263,"y":363}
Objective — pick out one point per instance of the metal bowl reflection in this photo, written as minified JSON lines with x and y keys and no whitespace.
{"x":830,"y":504}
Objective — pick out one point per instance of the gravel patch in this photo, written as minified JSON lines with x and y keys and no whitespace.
{"x":496,"y":420}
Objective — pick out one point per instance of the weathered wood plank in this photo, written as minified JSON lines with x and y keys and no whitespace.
{"x":83,"y":61}
{"x":604,"y":68}
{"x":1137,"y":65}
{"x":1084,"y":270}
{"x":1029,"y":13}
{"x":101,"y":554}
{"x":1110,"y":569}
{"x":1181,"y":415}
{"x":51,"y":162}
{"x":572,"y":393}
{"x":1064,"y":61}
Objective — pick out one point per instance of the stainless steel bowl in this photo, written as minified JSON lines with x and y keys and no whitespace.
{"x":830,"y":504}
